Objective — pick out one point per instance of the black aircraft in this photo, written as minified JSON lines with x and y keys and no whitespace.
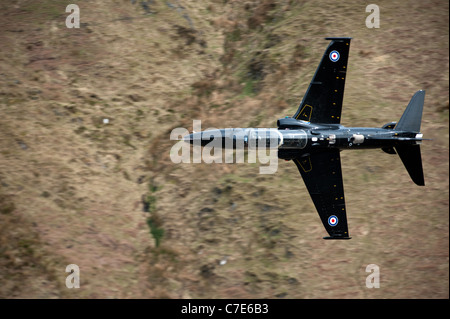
{"x":314,"y":137}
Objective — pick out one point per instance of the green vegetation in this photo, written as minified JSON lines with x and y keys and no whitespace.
{"x":6,"y":205}
{"x":154,"y":221}
{"x":249,"y":88}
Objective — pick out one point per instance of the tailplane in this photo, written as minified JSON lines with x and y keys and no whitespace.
{"x":411,"y":158}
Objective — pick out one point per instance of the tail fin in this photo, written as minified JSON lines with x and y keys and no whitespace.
{"x":410,"y":122}
{"x":411,"y":118}
{"x":411,"y":158}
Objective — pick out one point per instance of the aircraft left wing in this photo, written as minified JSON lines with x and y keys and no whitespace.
{"x":322,"y":175}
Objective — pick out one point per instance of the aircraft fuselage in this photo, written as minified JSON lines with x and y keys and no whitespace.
{"x":306,"y":137}
{"x":335,"y":136}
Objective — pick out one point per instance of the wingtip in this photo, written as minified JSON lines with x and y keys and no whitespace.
{"x":338,"y":38}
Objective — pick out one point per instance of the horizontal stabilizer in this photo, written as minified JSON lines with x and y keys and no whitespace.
{"x":411,"y":158}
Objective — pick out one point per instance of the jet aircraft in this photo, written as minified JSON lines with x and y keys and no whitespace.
{"x":313,"y":138}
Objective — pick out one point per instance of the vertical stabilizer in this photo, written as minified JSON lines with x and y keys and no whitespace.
{"x":412,"y":117}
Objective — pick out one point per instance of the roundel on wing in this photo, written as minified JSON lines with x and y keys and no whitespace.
{"x":332,"y":220}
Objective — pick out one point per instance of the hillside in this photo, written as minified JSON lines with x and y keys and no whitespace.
{"x":85,"y":170}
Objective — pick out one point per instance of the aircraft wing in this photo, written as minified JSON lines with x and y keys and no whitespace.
{"x":322,"y":102}
{"x":322,"y":175}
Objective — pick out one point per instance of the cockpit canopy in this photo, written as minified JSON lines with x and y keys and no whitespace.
{"x":294,"y":139}
{"x":291,"y":123}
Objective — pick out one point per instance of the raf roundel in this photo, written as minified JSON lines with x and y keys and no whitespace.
{"x":334,"y":56}
{"x":332,"y":220}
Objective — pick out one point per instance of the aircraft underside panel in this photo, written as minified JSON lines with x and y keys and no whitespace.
{"x":322,"y":175}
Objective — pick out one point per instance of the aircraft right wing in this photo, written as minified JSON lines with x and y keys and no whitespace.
{"x":322,"y":102}
{"x":322,"y":175}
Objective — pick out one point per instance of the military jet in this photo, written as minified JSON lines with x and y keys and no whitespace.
{"x":313,"y":138}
